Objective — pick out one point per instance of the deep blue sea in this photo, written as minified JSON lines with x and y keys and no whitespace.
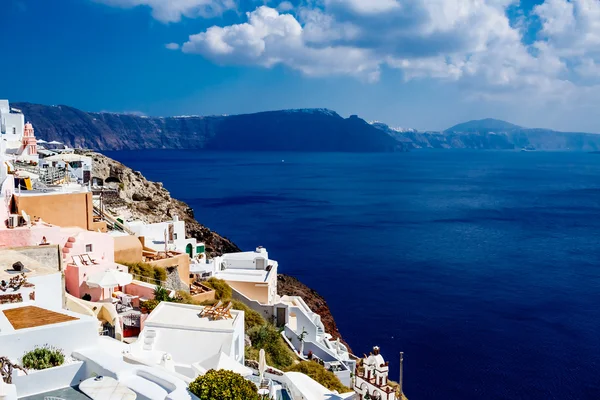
{"x":483,"y":267}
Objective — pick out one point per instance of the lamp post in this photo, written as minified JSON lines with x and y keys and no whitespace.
{"x":401,"y":374}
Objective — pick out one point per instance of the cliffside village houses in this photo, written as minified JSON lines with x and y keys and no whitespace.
{"x":68,"y":280}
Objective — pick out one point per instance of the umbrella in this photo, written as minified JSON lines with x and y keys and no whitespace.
{"x":262,"y":364}
{"x":54,"y":142}
{"x":109,"y":279}
{"x":41,"y":141}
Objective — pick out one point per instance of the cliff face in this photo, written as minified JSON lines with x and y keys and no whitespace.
{"x":287,"y":130}
{"x":494,"y":134}
{"x":290,"y":286}
{"x":151,"y":202}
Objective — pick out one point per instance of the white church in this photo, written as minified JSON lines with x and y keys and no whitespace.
{"x":371,"y":381}
{"x":17,"y":137}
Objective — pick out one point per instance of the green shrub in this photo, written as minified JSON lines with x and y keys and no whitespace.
{"x":145,"y":270}
{"x":43,"y":357}
{"x":320,"y":374}
{"x":223,"y":385}
{"x":149,"y":304}
{"x":267,"y":337}
{"x":184,"y":297}
{"x":251,"y":317}
{"x":161,"y":294}
{"x":222,"y":289}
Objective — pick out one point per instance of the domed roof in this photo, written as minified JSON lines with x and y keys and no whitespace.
{"x":28,"y":125}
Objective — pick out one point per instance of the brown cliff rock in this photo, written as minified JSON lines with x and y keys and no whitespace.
{"x":290,"y":286}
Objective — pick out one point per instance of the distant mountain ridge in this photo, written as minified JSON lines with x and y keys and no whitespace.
{"x":287,"y":130}
{"x":492,"y":133}
{"x":308,"y":130}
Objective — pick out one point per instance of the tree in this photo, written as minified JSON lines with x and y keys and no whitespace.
{"x":223,"y":385}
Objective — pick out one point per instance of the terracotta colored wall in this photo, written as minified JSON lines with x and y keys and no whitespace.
{"x":128,"y":249}
{"x":251,"y":291}
{"x":141,"y":289}
{"x":183,"y":263}
{"x":204,"y":296}
{"x":69,"y":209}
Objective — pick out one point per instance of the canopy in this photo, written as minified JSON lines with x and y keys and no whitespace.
{"x":41,"y":141}
{"x":222,"y":361}
{"x":109,"y":279}
{"x":54,"y":142}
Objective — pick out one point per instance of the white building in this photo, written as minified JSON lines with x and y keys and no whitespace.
{"x":18,"y":139}
{"x":372,"y":381}
{"x":169,"y":235}
{"x":31,"y":315}
{"x":177,"y":338}
{"x":252,"y":276}
{"x":78,"y":168}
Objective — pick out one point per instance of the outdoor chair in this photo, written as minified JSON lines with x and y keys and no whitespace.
{"x":223,"y":312}
{"x":209,"y":309}
{"x":87,"y":259}
{"x":77,"y":261}
{"x":124,"y":304}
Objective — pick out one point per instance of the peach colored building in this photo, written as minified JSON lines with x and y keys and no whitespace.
{"x":62,"y":209}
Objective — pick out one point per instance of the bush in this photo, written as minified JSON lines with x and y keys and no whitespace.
{"x":223,"y":385}
{"x":321,"y":375}
{"x":222,"y":289}
{"x":149,"y":304}
{"x":184,"y":297}
{"x":145,"y":270}
{"x":251,"y":317}
{"x":161,"y":294}
{"x":277,"y":351}
{"x":43,"y":357}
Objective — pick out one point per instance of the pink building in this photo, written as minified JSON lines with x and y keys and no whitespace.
{"x":29,"y":142}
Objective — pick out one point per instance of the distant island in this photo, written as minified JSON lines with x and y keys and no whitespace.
{"x":306,"y":130}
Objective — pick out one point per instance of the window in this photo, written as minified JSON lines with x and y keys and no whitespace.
{"x":14,"y":130}
{"x":174,"y":236}
{"x":88,"y":248}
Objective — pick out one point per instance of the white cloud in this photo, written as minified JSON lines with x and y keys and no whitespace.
{"x":285,"y":6}
{"x":270,"y":38}
{"x":172,"y":46}
{"x":472,"y":43}
{"x":174,"y":10}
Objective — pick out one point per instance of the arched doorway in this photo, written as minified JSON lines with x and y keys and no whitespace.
{"x":188,"y":249}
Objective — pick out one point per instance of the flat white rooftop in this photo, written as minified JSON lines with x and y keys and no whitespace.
{"x":244,"y":275}
{"x":186,"y":316}
{"x":33,"y":268}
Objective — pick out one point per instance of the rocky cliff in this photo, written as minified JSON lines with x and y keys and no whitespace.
{"x":286,"y":130}
{"x":290,"y":286}
{"x":151,"y":202}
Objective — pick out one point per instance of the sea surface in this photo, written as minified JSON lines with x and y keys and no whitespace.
{"x":482,"y":266}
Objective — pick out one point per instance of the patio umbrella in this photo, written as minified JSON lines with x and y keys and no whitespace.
{"x":262,"y":364}
{"x":41,"y":141}
{"x":109,"y":279}
{"x":54,"y":142}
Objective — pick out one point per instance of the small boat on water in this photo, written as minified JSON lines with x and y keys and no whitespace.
{"x":528,"y":148}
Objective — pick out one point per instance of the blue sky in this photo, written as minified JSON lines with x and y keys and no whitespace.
{"x":426,"y":64}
